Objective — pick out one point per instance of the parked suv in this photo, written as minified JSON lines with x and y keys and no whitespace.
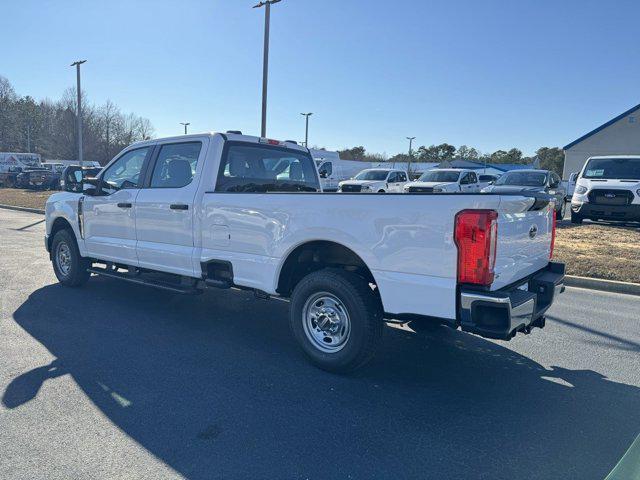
{"x":608,"y":188}
{"x":375,"y":180}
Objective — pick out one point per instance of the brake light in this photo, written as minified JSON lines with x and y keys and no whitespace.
{"x":553,"y":231}
{"x":269,"y":141}
{"x":476,"y":234}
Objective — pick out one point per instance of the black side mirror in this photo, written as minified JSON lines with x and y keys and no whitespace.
{"x":323,"y":173}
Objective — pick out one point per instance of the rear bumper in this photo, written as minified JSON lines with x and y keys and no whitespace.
{"x":608,"y":212}
{"x":503,"y":313}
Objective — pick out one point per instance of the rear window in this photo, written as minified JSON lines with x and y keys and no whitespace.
{"x":248,"y":167}
{"x":613,"y":168}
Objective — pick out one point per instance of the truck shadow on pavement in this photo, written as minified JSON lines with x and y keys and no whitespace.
{"x":215,"y":386}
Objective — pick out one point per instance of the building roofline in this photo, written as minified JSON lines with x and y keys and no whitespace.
{"x":602,"y":127}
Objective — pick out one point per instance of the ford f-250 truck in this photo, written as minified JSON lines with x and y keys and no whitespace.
{"x":235,"y":211}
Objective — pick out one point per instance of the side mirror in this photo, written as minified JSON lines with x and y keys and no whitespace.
{"x":323,"y":173}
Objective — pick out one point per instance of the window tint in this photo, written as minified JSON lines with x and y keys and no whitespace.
{"x":465,"y":179}
{"x":402,"y":177}
{"x":249,"y":167}
{"x":125,"y":172}
{"x":176,"y":165}
{"x":473,"y":178}
{"x":393,"y":177}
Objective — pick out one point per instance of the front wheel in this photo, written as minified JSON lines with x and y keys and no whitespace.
{"x":337,"y":319}
{"x":70,"y":268}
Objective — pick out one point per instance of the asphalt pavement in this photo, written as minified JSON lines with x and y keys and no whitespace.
{"x":119,"y":381}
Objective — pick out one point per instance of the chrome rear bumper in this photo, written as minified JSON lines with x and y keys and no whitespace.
{"x":503,"y":313}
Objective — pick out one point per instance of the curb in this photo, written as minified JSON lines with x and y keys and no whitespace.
{"x":603,"y":285}
{"x":22,"y":209}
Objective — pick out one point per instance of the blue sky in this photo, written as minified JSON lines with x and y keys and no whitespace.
{"x":488,"y":73}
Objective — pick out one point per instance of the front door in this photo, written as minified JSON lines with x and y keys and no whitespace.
{"x":164,"y":209}
{"x":109,"y":217}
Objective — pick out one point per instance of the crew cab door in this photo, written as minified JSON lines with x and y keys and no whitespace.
{"x":109,"y":221}
{"x":164,"y":207}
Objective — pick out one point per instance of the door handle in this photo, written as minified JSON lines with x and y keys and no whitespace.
{"x":124,"y":205}
{"x":179,"y":206}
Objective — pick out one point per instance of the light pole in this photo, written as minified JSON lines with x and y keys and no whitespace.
{"x":265,"y":61}
{"x":411,"y":139}
{"x":306,"y":128}
{"x":79,"y":113}
{"x":185,"y":126}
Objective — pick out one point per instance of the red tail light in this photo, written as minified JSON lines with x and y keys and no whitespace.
{"x":553,"y":231}
{"x":476,"y":233}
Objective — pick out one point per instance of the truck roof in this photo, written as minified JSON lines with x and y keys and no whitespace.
{"x":238,"y":137}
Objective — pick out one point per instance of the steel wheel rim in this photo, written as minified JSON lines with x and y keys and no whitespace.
{"x":326,"y":322}
{"x":63,"y":258}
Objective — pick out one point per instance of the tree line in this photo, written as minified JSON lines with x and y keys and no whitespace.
{"x":549,"y":158}
{"x":49,"y":127}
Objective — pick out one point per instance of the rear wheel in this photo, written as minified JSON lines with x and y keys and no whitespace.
{"x":381,"y":191}
{"x":70,"y":268}
{"x":562,"y":211}
{"x":337,"y":319}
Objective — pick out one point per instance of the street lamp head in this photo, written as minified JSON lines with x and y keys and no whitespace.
{"x":263,"y":3}
{"x":411,"y":138}
{"x":306,"y":114}
{"x":79,"y":62}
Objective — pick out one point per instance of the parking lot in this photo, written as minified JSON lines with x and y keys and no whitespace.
{"x":121,"y":381}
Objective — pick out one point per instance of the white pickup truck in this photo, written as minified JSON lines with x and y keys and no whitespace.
{"x":235,"y":211}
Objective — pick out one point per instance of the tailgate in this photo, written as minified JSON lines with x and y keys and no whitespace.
{"x":525,"y":227}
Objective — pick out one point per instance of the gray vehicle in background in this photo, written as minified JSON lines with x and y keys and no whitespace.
{"x":533,"y":181}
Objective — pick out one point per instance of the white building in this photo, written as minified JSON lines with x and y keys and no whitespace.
{"x":619,"y":136}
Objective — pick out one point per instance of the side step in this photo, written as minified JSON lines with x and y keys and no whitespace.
{"x":127,"y":277}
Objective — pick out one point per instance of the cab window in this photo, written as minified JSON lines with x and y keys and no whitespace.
{"x":125,"y":171}
{"x":176,"y":165}
{"x":248,"y":167}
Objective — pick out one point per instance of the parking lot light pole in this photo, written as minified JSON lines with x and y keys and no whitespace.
{"x":186,"y":124}
{"x":306,"y":128}
{"x":265,"y":61}
{"x":411,"y":139}
{"x":79,"y":113}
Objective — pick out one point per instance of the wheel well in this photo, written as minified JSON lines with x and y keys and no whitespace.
{"x":59,"y":224}
{"x":313,"y":256}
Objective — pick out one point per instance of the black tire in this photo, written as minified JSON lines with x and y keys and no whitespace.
{"x":74,"y":273}
{"x":560,"y":213}
{"x":381,"y":191}
{"x":576,"y":218}
{"x":364,"y":313}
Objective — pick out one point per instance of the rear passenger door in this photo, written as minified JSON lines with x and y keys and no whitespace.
{"x":465,"y":183}
{"x":164,"y":207}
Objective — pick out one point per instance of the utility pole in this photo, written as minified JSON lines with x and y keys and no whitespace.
{"x":265,"y":60}
{"x":79,"y":113}
{"x":306,"y":128}
{"x":411,"y":139}
{"x":29,"y":136}
{"x":185,"y":126}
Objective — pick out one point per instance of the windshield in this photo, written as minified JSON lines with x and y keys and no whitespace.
{"x":613,"y":168}
{"x":525,"y":179}
{"x":435,"y":176}
{"x":372,"y":175}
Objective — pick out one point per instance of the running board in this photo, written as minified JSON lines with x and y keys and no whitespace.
{"x":141,"y":281}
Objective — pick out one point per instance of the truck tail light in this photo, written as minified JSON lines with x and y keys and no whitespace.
{"x":476,"y":234}
{"x":553,"y":231}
